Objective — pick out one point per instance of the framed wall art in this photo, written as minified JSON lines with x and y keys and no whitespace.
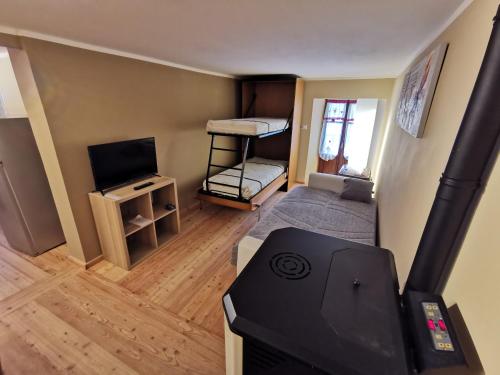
{"x":418,"y":90}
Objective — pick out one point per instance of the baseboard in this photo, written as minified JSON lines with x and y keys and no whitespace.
{"x":76,"y":260}
{"x":88,"y":264}
{"x":94,"y":261}
{"x":192,"y":206}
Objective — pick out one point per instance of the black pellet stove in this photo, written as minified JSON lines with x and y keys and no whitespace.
{"x":313,"y":304}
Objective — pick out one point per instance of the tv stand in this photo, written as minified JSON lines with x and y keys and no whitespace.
{"x":132,"y":224}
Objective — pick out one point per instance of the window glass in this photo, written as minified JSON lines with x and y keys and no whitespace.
{"x":333,"y":122}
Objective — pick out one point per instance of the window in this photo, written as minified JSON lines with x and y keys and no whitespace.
{"x":346,"y":135}
{"x":338,"y":120}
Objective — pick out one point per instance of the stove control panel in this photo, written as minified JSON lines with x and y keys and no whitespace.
{"x":437,"y":327}
{"x":433,"y":337}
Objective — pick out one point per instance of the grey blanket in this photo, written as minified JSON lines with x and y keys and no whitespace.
{"x":320,"y":211}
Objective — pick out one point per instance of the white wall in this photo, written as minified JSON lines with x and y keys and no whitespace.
{"x":318,"y":110}
{"x":11,"y":103}
{"x":362,"y":131}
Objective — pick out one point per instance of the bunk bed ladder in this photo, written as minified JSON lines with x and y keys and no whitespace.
{"x":245,"y":141}
{"x":209,"y":162}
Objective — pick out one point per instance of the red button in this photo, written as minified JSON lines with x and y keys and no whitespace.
{"x":430,"y":324}
{"x":442,"y":325}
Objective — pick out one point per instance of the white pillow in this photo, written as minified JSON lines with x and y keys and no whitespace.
{"x":326,"y":182}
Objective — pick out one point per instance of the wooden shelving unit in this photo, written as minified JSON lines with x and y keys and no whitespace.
{"x":134,"y":224}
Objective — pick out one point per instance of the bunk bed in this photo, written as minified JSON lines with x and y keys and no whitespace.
{"x":264,"y":144}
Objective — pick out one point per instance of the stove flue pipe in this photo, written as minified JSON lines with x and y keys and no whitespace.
{"x":469,"y":165}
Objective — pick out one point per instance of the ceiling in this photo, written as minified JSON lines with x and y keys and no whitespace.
{"x":311,"y":38}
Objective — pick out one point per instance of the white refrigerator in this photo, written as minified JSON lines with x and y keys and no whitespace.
{"x":28,"y":215}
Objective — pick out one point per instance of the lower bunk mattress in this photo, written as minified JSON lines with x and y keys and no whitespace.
{"x":259,"y":173}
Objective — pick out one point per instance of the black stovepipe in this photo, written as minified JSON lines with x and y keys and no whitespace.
{"x":470,"y":163}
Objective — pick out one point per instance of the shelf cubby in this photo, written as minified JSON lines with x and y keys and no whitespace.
{"x":136,"y":213}
{"x":160,"y":198}
{"x":141,"y":243}
{"x":165,"y":228}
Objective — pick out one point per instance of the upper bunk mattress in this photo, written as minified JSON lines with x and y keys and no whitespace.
{"x":247,"y":126}
{"x":259,"y":173}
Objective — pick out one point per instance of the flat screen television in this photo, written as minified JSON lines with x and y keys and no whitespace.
{"x":116,"y":163}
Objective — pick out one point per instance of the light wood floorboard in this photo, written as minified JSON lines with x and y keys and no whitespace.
{"x":162,"y":317}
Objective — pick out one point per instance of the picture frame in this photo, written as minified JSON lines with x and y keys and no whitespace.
{"x":418,"y":89}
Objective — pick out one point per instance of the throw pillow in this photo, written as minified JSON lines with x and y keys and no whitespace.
{"x":356,"y":189}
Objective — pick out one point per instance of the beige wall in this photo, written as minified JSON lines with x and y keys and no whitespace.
{"x":336,"y":89}
{"x":91,"y":98}
{"x":8,"y":40}
{"x":473,"y":285}
{"x":409,"y":177}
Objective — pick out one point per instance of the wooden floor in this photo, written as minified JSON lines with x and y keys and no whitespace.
{"x":162,"y":317}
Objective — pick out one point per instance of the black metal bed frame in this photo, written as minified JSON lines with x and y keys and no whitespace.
{"x":243,"y":140}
